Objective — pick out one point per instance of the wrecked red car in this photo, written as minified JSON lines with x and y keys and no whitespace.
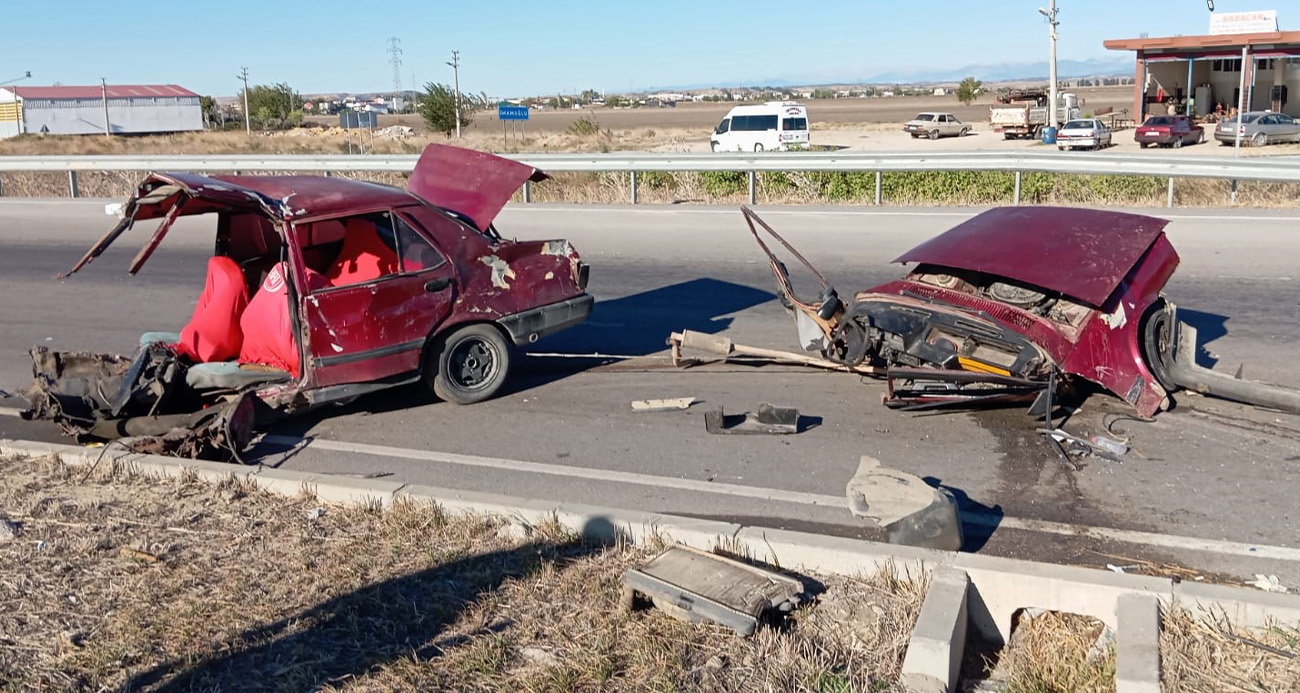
{"x":1006,"y":306}
{"x":319,"y":290}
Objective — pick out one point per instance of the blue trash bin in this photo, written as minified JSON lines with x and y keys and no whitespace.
{"x":1049,"y":135}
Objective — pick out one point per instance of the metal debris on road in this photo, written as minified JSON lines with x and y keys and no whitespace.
{"x":697,"y":586}
{"x":768,"y":420}
{"x":658,"y":405}
{"x":1070,"y":443}
{"x":724,"y":347}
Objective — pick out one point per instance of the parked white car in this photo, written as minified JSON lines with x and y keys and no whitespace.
{"x":771,"y":126}
{"x":936,"y":125}
{"x":1088,"y":133}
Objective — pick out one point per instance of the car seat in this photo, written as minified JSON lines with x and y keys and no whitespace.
{"x":364,"y":256}
{"x":268,"y":325}
{"x":213,"y":332}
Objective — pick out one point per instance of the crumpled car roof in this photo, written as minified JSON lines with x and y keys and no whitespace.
{"x":473,"y":183}
{"x":1081,"y":253}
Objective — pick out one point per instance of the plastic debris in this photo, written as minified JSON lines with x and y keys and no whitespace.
{"x":1268,"y":583}
{"x":656,"y":405}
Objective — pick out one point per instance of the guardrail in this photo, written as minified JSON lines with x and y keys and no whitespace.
{"x":1275,"y":169}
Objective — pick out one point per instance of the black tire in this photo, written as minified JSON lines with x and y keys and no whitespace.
{"x":934,"y":134}
{"x":713,"y":146}
{"x":1156,"y":333}
{"x":758,"y":147}
{"x":1259,"y":140}
{"x":964,"y":132}
{"x":1143,"y":145}
{"x":468,"y":365}
{"x":1200,"y":138}
{"x":1178,"y":143}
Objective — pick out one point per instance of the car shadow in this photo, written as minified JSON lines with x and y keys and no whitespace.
{"x":1209,"y":327}
{"x":353,"y":633}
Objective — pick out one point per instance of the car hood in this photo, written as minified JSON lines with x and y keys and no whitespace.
{"x":1081,"y":253}
{"x":473,"y":183}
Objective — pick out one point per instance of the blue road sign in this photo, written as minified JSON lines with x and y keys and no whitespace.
{"x":512,"y":113}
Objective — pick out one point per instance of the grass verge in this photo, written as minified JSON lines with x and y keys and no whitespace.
{"x":1209,"y":654}
{"x":115,"y":581}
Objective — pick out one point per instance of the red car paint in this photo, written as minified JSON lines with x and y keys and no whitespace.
{"x":379,"y":330}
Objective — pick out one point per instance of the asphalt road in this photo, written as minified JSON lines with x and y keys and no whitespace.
{"x":1206,"y":470}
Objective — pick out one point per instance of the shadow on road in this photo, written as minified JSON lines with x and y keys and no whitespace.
{"x":975,"y":534}
{"x":1209,"y":327}
{"x":353,"y":633}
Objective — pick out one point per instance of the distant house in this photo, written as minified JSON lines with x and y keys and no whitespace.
{"x":940,"y":91}
{"x":133,"y":109}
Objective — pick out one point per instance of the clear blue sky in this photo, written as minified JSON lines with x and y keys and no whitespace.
{"x":515,"y":47}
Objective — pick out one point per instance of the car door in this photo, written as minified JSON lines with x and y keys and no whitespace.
{"x":388,"y":289}
{"x":1289,"y":126}
{"x":948,"y":125}
{"x":1103,"y":133}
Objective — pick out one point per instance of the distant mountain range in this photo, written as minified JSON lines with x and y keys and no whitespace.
{"x":995,"y":72}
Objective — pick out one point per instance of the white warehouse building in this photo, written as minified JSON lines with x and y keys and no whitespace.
{"x":132,"y":110}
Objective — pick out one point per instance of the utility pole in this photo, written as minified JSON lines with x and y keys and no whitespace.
{"x":1050,"y":13}
{"x":455,"y":71}
{"x":248,"y":124}
{"x":103,"y":90}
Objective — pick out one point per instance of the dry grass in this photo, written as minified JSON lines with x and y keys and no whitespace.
{"x":1209,"y":654}
{"x":1057,"y":652}
{"x":119,"y":582}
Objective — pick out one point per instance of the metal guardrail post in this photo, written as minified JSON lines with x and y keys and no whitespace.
{"x":879,"y":188}
{"x":2,"y":185}
{"x":1169,"y":196}
{"x":632,"y":186}
{"x":528,"y":191}
{"x":72,"y":183}
{"x":1234,"y":191}
{"x":329,"y":173}
{"x":753,"y":187}
{"x":1016,"y":200}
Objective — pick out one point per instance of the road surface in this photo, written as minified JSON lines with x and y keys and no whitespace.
{"x":1206,"y":472}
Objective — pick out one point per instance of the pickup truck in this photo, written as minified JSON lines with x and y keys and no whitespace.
{"x":1015,"y":120}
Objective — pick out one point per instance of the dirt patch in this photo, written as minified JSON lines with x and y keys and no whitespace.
{"x":115,"y":581}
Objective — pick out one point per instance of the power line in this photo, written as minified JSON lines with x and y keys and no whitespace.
{"x":395,"y":59}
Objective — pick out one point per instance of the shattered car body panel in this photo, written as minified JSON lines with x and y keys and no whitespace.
{"x":352,"y":286}
{"x":1013,"y":293}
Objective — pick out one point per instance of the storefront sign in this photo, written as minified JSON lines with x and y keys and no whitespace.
{"x":1257,"y":22}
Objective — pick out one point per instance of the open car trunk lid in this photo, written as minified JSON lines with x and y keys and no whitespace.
{"x":172,"y":195}
{"x":1081,"y":253}
{"x":473,"y":183}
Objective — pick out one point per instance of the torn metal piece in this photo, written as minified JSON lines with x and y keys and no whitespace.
{"x":1185,"y":373}
{"x":696,"y":586}
{"x":724,"y":347}
{"x":768,"y":420}
{"x":658,"y":405}
{"x":930,"y":388}
{"x":911,"y":511}
{"x":1072,"y":442}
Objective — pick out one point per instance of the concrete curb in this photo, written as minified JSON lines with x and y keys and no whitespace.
{"x":997,"y":587}
{"x":938,"y":640}
{"x":1137,"y":644}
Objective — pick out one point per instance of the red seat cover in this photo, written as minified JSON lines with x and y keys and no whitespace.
{"x":213,"y":332}
{"x":364,"y":256}
{"x":268,"y":325}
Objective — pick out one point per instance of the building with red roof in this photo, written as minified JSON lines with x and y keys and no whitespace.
{"x":120,"y":109}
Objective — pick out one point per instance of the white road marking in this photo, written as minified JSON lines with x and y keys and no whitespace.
{"x":1165,"y":541}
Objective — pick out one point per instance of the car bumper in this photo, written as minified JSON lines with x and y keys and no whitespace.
{"x":531,"y":325}
{"x":1155,"y":139}
{"x":1077,"y":141}
{"x":1231,"y":137}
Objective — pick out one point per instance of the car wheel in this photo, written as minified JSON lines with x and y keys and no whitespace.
{"x":1200,"y":138}
{"x":1259,"y":140}
{"x":1157,"y":334}
{"x":758,"y":147}
{"x":1061,"y":149}
{"x":964,"y":132}
{"x":468,"y":365}
{"x":1143,"y":145}
{"x":934,"y":134}
{"x":1178,"y":143}
{"x":713,"y":146}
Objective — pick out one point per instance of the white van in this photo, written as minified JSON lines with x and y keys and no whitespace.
{"x":772,"y":126}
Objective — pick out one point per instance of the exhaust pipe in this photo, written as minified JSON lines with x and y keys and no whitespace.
{"x":1186,"y":374}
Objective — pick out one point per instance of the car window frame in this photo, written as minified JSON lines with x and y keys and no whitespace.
{"x":399,"y":274}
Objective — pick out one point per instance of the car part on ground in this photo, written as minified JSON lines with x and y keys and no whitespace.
{"x":698,"y":587}
{"x":769,"y":420}
{"x":322,"y":289}
{"x":724,"y":347}
{"x":1012,"y":305}
{"x":1184,"y":371}
{"x":911,"y":511}
{"x":659,"y":405}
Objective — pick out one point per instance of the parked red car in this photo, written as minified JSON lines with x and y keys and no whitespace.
{"x":1169,"y":130}
{"x":321,"y":289}
{"x":1007,"y":306}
